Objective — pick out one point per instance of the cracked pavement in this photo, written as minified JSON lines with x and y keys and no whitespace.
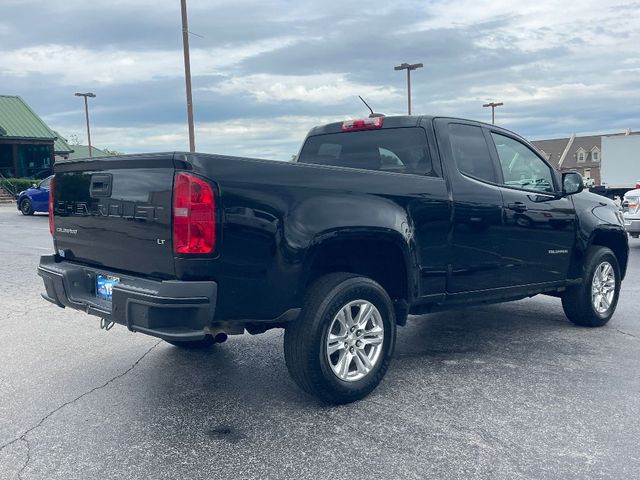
{"x":502,"y":391}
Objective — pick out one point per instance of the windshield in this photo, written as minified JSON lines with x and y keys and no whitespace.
{"x":400,"y":150}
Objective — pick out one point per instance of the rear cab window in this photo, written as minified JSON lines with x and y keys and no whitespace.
{"x":398,"y":150}
{"x":471,"y":152}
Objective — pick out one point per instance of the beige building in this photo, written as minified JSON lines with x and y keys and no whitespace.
{"x":577,"y":153}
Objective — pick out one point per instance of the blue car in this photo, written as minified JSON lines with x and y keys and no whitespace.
{"x":35,"y":199}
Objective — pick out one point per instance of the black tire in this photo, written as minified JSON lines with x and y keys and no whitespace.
{"x":577,"y":301}
{"x":206,"y":342}
{"x":26,"y":207}
{"x":305,"y":339}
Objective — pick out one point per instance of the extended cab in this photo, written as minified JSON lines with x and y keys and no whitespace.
{"x":377,"y":219}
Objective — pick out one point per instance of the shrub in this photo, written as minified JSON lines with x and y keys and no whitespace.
{"x":13,"y":186}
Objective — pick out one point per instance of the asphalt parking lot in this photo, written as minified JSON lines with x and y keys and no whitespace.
{"x":505,"y":391}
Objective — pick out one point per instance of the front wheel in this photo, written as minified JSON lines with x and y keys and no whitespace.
{"x":593,"y":302}
{"x":340,"y":347}
{"x":25,"y":207}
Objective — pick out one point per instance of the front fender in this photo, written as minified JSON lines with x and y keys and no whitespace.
{"x":598,"y":224}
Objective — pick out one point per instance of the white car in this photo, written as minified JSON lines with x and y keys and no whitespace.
{"x":631,"y":212}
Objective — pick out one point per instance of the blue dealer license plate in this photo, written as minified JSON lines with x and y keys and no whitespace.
{"x":104,"y":285}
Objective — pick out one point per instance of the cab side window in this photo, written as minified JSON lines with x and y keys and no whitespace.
{"x":521,"y":168}
{"x":471,"y":152}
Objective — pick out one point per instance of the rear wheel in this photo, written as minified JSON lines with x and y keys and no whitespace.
{"x":340,"y":347}
{"x":26,"y":207}
{"x":206,"y":342}
{"x":592,"y":303}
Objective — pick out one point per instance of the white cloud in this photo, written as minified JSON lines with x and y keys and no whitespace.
{"x":277,"y":138}
{"x":75,"y":65}
{"x":324,"y":89}
{"x":528,"y":95}
{"x":558,"y":66}
{"x":533,"y":26}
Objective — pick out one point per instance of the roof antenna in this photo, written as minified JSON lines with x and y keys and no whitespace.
{"x":372,"y":114}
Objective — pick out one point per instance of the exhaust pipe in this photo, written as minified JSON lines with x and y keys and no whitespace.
{"x":220,"y":337}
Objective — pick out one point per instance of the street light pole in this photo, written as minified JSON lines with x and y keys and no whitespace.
{"x":493,"y":106}
{"x":86,"y":114}
{"x":408,"y":67}
{"x":187,"y":74}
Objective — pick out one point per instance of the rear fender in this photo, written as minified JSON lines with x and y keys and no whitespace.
{"x":367,"y":251}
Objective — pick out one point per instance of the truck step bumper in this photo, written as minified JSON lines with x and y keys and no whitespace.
{"x":632,"y":225}
{"x":170,"y":309}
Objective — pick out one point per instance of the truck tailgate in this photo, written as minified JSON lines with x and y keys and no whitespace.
{"x":115,"y":212}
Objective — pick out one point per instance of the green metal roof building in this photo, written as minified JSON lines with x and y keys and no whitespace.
{"x":26,"y":142}
{"x":82,"y":151}
{"x":61,"y":148}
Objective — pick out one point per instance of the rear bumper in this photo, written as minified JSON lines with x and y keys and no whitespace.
{"x":632,"y":225}
{"x":171,"y":310}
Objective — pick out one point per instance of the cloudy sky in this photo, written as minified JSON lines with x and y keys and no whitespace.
{"x":266,"y":71}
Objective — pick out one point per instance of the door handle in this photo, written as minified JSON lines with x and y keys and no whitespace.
{"x":517,"y":207}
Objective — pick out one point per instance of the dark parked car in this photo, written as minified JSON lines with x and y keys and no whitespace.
{"x":377,"y":219}
{"x":35,"y":199}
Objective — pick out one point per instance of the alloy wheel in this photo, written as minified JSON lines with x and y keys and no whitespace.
{"x":354,"y":340}
{"x":603,"y":287}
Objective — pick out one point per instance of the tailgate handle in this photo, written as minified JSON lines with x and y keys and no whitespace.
{"x":100,"y":185}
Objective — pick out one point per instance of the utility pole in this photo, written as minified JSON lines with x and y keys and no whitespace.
{"x":408,"y":67}
{"x":493,"y":106}
{"x":187,"y":74}
{"x":86,"y":114}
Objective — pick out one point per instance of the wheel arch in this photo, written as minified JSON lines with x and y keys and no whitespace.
{"x":614,"y":239}
{"x":379,"y":254}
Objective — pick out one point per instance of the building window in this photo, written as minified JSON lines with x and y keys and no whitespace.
{"x":34,"y":161}
{"x":546,"y":155}
{"x":581,"y":156}
{"x":595,"y":155}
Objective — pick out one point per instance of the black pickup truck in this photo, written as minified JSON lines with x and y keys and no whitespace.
{"x":376,"y":219}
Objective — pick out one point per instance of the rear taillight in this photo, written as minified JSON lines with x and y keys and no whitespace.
{"x":363,"y":124}
{"x":194,"y":229}
{"x":51,"y":212}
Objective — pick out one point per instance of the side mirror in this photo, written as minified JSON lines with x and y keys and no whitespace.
{"x":34,"y":185}
{"x":572,"y":183}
